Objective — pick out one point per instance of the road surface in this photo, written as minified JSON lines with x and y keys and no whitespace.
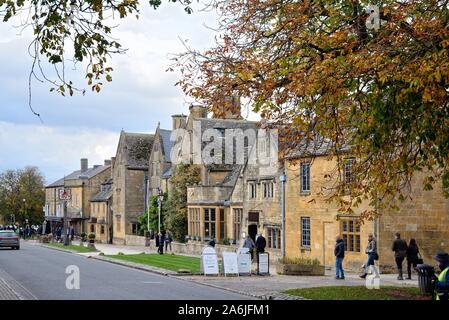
{"x":36,"y":272}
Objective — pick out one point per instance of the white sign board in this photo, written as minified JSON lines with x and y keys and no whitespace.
{"x":230,"y":264}
{"x":209,"y":261}
{"x":263,"y":264}
{"x":244,"y":261}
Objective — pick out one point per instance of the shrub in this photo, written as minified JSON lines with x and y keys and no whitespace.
{"x":301,"y":261}
{"x":226,"y":242}
{"x":92,"y":236}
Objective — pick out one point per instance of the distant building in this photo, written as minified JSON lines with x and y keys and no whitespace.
{"x":130,"y":183}
{"x":101,"y":220}
{"x":160,"y":163}
{"x":82,"y":184}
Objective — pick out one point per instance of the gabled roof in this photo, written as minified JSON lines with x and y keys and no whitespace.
{"x":137,"y":148}
{"x":166,"y":143}
{"x":167,"y":173}
{"x":75,"y":175}
{"x":105,"y":193}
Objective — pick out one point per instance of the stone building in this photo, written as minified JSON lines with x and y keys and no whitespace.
{"x":160,"y":164}
{"x":238,"y":198}
{"x":100,"y":221}
{"x":255,"y":202}
{"x":83,"y":184}
{"x":312,"y":222}
{"x":130,"y":183}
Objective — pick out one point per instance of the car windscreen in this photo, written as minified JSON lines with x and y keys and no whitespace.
{"x":9,"y":234}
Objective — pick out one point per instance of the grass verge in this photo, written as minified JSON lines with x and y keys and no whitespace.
{"x":76,"y":248}
{"x":166,"y":261}
{"x":358,"y":293}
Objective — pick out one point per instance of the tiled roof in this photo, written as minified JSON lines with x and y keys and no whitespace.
{"x":89,"y":173}
{"x":137,"y":149}
{"x":166,"y":143}
{"x":105,"y":193}
{"x":167,"y":173}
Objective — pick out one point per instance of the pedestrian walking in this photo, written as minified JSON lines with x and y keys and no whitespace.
{"x":261,"y":243}
{"x":339,"y":253}
{"x":399,"y":247}
{"x":58,"y":234}
{"x":412,"y":257}
{"x":212,"y":243}
{"x":249,"y":243}
{"x":161,"y":241}
{"x":168,"y":241}
{"x":371,"y":251}
{"x":72,"y":233}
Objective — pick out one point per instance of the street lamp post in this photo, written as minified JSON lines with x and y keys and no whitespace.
{"x":25,"y":214}
{"x":160,"y":197}
{"x":283,"y":179}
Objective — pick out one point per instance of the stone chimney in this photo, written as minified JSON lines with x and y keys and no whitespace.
{"x":198,"y":111}
{"x":107,"y":162}
{"x":179,"y":121}
{"x":84,"y":164}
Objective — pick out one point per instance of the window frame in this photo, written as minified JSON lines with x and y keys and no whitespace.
{"x":350,"y":246}
{"x":306,"y":239}
{"x":307,"y":183}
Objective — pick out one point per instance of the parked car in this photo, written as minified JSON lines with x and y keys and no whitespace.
{"x":8,"y":238}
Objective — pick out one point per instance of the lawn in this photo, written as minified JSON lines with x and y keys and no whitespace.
{"x":167,"y":261}
{"x":358,"y":293}
{"x":77,"y":248}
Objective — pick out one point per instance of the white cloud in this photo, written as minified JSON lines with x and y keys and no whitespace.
{"x":55,"y":150}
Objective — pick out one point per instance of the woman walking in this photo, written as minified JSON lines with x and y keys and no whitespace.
{"x":412,"y":257}
{"x":371,"y":251}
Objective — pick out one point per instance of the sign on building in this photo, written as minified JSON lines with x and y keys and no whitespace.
{"x":230,"y":263}
{"x":65,"y":194}
{"x":263,"y":264}
{"x":209,"y":261}
{"x":244,"y":261}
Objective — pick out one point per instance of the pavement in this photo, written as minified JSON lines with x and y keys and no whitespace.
{"x":37,"y":272}
{"x":262,"y":287}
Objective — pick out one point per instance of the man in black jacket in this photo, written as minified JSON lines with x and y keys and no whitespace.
{"x":261,"y":243}
{"x":400,"y":250}
{"x":339,"y":252}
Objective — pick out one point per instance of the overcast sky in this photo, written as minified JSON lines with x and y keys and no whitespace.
{"x":141,"y":95}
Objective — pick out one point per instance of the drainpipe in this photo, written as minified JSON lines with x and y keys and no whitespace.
{"x":283,"y":179}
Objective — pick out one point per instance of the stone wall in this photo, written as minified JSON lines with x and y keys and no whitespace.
{"x":424,"y":217}
{"x":132,"y":240}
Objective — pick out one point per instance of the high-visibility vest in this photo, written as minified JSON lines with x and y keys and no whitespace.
{"x":442,"y":279}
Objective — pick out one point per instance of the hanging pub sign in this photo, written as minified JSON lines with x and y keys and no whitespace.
{"x":230,"y":264}
{"x":209,"y":261}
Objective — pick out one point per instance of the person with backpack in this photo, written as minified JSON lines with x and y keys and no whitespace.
{"x":399,"y":247}
{"x":412,"y":257}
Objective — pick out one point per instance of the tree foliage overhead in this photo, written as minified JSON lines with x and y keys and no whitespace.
{"x":22,"y":194}
{"x":75,"y":31}
{"x":376,"y":83}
